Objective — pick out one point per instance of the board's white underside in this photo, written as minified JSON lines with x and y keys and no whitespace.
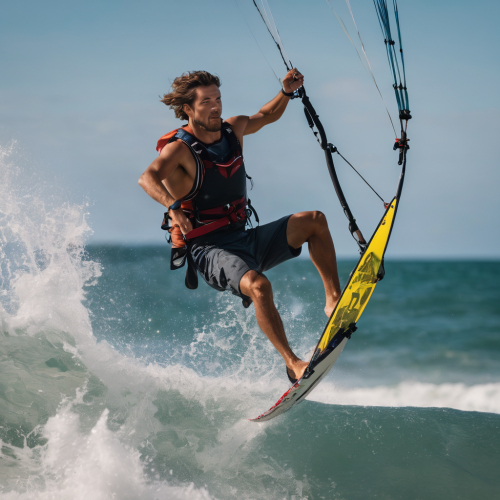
{"x":291,"y":397}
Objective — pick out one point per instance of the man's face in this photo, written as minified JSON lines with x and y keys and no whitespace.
{"x":207,"y":108}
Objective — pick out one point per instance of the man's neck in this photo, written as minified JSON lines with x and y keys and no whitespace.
{"x":203,"y":134}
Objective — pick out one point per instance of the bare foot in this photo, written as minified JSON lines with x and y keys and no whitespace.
{"x":297,"y":369}
{"x":330,"y":306}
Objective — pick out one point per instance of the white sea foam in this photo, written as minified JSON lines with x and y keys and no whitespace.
{"x":479,"y":397}
{"x":42,"y":276}
{"x":94,"y":465}
{"x":41,"y":246}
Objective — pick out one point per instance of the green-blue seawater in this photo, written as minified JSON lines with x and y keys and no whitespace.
{"x":118,"y":382}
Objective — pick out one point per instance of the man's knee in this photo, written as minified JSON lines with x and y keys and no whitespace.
{"x":306,"y":224}
{"x":255,"y":285}
{"x":318,"y":220}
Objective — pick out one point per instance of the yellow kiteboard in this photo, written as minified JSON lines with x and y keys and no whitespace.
{"x":369,"y":270}
{"x":342,"y":322}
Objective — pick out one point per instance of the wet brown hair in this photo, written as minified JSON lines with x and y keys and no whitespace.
{"x":184,"y":90}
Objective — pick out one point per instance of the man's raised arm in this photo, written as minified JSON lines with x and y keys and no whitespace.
{"x":270,"y":112}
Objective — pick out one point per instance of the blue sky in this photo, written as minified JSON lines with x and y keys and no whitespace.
{"x":81,"y":81}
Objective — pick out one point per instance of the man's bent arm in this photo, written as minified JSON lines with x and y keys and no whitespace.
{"x":151,"y":181}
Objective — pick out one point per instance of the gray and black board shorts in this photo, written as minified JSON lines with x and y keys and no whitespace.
{"x":223,"y":258}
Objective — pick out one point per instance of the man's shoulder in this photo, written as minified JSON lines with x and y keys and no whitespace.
{"x":238,"y":125}
{"x":174,"y":150}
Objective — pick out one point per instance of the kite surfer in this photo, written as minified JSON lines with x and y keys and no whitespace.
{"x":199,"y":176}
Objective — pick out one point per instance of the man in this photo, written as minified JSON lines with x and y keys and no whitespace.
{"x":199,"y":176}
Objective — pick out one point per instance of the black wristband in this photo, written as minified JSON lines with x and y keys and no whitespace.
{"x":175,"y":206}
{"x":288,"y":94}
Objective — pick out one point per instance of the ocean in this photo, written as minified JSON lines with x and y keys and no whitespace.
{"x":117,"y":382}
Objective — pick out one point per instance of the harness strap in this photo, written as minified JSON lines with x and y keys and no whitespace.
{"x":228,"y":214}
{"x":224,"y":209}
{"x":235,"y":212}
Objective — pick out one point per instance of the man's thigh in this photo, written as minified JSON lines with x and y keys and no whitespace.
{"x":220,"y":268}
{"x":270,"y":244}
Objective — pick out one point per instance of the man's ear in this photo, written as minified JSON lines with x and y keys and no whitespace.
{"x":187,"y":109}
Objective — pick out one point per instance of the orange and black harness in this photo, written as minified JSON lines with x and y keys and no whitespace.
{"x":218,"y":197}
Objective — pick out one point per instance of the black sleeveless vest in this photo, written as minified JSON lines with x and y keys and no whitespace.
{"x":220,"y":170}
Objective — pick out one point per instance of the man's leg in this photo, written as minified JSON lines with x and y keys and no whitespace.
{"x":313,"y":228}
{"x":258,"y":288}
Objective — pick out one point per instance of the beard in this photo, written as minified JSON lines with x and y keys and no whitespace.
{"x":208,"y":126}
